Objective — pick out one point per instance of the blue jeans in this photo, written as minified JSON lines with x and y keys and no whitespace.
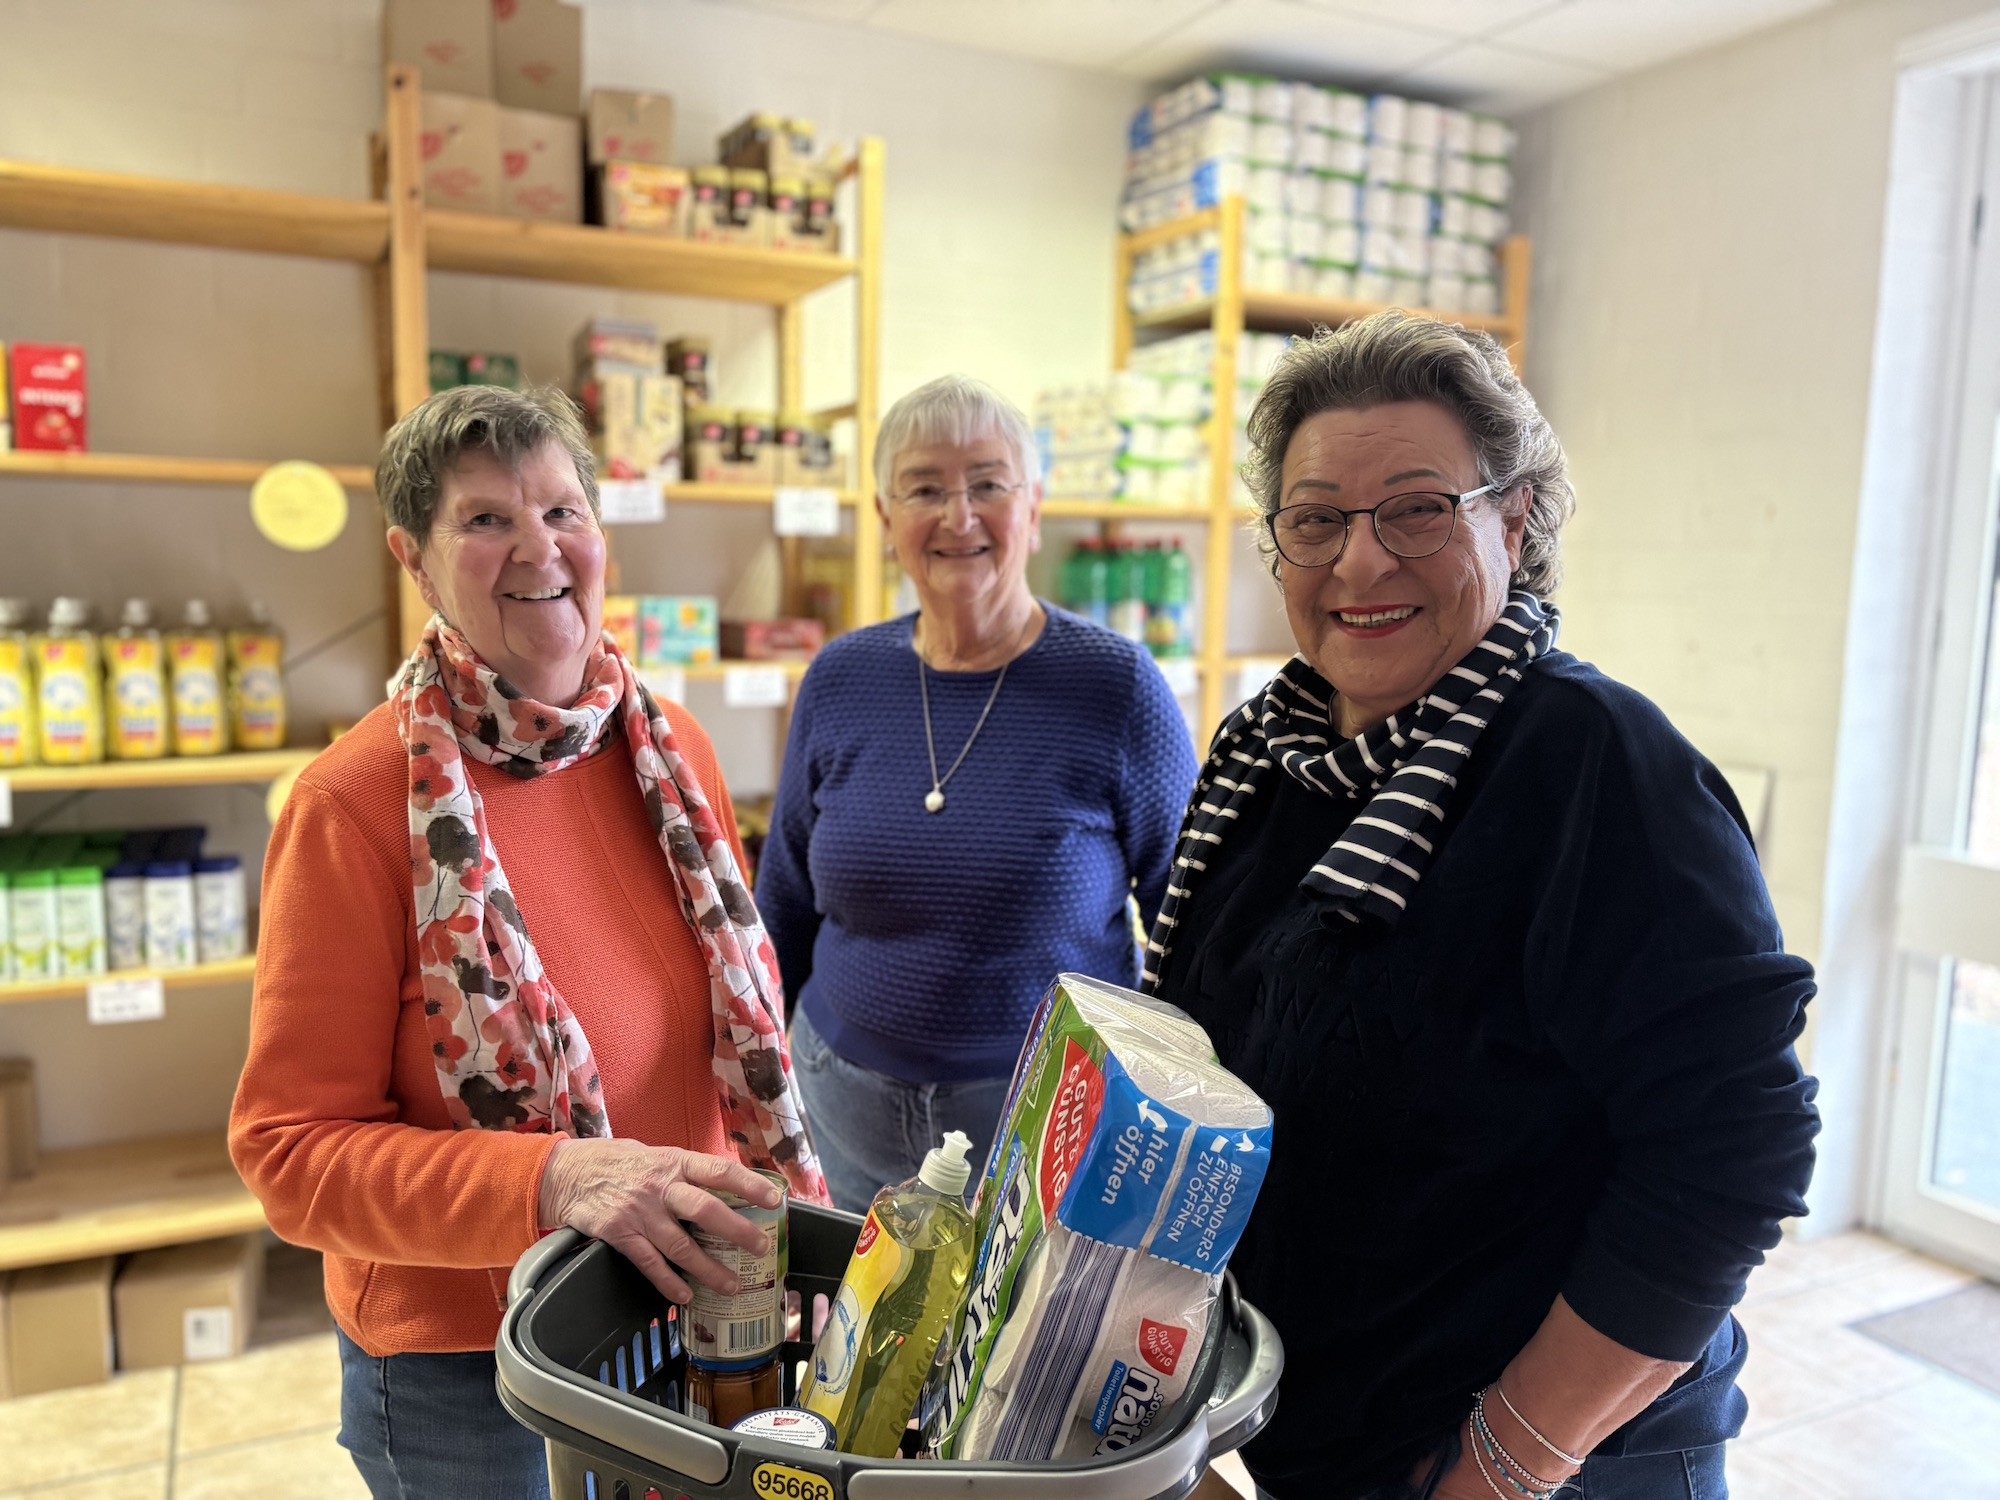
{"x":871,"y":1129}
{"x":431,"y":1427}
{"x":1693,"y":1474}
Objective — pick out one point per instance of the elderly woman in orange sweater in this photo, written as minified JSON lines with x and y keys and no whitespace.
{"x":510,"y":975}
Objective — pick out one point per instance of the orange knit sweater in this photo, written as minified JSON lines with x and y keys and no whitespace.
{"x":339,"y":1127}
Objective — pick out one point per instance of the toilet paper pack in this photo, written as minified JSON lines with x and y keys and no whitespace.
{"x":1123,"y":1178}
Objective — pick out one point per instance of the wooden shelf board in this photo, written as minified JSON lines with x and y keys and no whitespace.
{"x":230,"y":971}
{"x":584,"y":253}
{"x":160,"y":470}
{"x":135,"y":1195}
{"x":169,"y":771}
{"x":1125,"y":510}
{"x":715,"y":671}
{"x":688,"y":492}
{"x":68,"y":200}
{"x":1292,"y":312}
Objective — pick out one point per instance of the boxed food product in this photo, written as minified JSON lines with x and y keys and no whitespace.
{"x":59,"y":1326}
{"x":622,"y":341}
{"x":493,"y":369}
{"x":621,"y":623}
{"x":641,"y":196}
{"x":1114,"y":1194}
{"x":187,"y":1303}
{"x":687,"y":357}
{"x":461,"y":152}
{"x":708,"y":204}
{"x":711,"y":447}
{"x":781,"y":639}
{"x":47,"y":396}
{"x":628,"y":126}
{"x":756,"y":448}
{"x":538,"y":56}
{"x":635,"y":421}
{"x":447,"y":369}
{"x":772,"y":144}
{"x":677,"y":630}
{"x":449,"y":41}
{"x":541,"y":164}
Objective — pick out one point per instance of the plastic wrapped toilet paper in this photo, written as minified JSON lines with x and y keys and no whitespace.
{"x":1389,"y":118}
{"x":1385,"y":162}
{"x":1420,"y":168}
{"x":1455,"y":132}
{"x":1127,"y":1168}
{"x":1492,"y":140}
{"x":1346,"y":156}
{"x":1423,"y":126}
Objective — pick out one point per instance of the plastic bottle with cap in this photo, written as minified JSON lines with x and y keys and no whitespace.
{"x":69,"y":687}
{"x":901,"y":1297}
{"x":194,"y":652}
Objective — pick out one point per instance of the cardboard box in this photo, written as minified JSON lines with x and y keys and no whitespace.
{"x":59,"y":1326}
{"x":638,"y":196}
{"x":772,"y":640}
{"x":20,"y":1127}
{"x":772,"y":144}
{"x":541,"y":165}
{"x":627,"y":126}
{"x":538,"y":55}
{"x":678,"y":630}
{"x":461,"y":151}
{"x":187,"y":1303}
{"x":635,"y":422}
{"x":47,"y":397}
{"x":622,"y":341}
{"x":493,"y":369}
{"x":450,"y":41}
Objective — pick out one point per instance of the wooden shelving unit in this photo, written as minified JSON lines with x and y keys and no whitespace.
{"x":108,"y":1200}
{"x":197,"y":976}
{"x":143,"y":468}
{"x":242,"y":767}
{"x":1231,"y":311}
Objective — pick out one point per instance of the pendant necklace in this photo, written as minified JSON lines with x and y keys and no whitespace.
{"x":934,"y":798}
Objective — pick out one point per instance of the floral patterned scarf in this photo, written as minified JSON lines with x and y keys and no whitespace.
{"x":510,"y":1054}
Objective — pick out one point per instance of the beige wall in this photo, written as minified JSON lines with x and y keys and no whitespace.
{"x":1002,"y":178}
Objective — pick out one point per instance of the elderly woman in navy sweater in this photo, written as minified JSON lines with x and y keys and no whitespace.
{"x":969,"y":797}
{"x":1489,"y":937}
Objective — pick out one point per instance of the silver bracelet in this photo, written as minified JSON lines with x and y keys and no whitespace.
{"x":1472,"y":1452}
{"x":1568,"y":1458}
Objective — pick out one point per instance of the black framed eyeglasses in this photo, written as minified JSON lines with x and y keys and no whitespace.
{"x":1417,"y":524}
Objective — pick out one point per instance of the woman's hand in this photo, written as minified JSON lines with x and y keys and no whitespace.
{"x":637,"y":1198}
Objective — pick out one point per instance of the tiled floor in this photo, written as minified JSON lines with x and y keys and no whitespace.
{"x":1833,"y":1414}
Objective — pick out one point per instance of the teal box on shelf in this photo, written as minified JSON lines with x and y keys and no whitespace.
{"x":679,"y":630}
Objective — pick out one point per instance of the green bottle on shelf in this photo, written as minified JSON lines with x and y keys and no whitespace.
{"x":1128,"y":596}
{"x":1094,"y":582}
{"x":1169,"y":604}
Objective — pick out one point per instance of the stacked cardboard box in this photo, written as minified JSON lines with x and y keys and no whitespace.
{"x":632,"y":405}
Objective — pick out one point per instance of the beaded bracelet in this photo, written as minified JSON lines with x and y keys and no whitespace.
{"x":1472,"y":1452}
{"x":1505,"y":1457}
{"x":1568,"y":1458}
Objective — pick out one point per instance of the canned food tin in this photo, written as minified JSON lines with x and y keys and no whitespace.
{"x":788,"y":1424}
{"x":750,"y":1323}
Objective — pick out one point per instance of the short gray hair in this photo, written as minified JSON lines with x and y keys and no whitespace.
{"x":1399,"y":356}
{"x":504,"y":424}
{"x":953,"y":409}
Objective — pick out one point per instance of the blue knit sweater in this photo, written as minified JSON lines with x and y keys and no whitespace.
{"x":921,"y":943}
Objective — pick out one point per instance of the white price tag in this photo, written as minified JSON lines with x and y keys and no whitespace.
{"x":207,"y":1333}
{"x":109,"y":1002}
{"x":6,"y":802}
{"x":1183,"y":677}
{"x":626,"y":500}
{"x":756,"y":687}
{"x":806,"y":512}
{"x":665,"y":682}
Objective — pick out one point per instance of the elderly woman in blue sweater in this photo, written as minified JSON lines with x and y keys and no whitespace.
{"x":970,"y":796}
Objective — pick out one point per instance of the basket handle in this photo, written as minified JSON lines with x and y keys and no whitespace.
{"x":1242,"y":1414}
{"x":541,"y":1257}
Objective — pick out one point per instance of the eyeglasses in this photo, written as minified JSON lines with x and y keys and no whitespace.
{"x":1418,"y":524}
{"x":981,"y":494}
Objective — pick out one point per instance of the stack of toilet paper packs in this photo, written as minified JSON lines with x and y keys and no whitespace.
{"x":1122,"y":1180}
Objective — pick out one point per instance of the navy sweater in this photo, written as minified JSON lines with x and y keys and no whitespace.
{"x":921,"y":943}
{"x":1569,"y":1068}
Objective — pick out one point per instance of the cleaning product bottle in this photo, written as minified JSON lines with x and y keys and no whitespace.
{"x":195,"y":651}
{"x":69,"y":688}
{"x":902,"y":1295}
{"x":1094,"y":580}
{"x":17,"y":686}
{"x":1128,"y":599}
{"x":135,"y":687}
{"x":257,"y":683}
{"x":1169,"y":615}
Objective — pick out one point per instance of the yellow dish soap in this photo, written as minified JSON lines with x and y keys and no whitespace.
{"x":194,"y":653}
{"x":902,"y":1295}
{"x":69,"y":688}
{"x":17,"y":687}
{"x":135,"y":687}
{"x":257,"y":683}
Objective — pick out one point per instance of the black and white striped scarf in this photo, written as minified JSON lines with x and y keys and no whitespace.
{"x":1408,"y":767}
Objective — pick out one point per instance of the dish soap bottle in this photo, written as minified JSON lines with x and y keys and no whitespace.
{"x":17,"y":686}
{"x":135,"y":686}
{"x":257,"y":683}
{"x":901,"y":1297}
{"x":69,"y":688}
{"x":195,"y":651}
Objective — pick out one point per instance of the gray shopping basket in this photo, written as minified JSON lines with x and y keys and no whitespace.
{"x":589,"y":1358}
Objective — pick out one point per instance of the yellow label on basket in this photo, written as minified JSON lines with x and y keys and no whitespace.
{"x":298,"y":505}
{"x":783,"y":1482}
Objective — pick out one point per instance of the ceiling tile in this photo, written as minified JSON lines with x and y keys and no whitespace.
{"x":1464,"y":19}
{"x":1078,"y":33}
{"x":1279,"y":36}
{"x":1485,"y":76}
{"x":1624,"y":34}
{"x":814,"y":10}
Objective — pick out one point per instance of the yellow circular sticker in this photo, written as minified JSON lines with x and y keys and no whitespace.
{"x":783,"y":1482}
{"x":280,"y":789}
{"x":298,"y":505}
